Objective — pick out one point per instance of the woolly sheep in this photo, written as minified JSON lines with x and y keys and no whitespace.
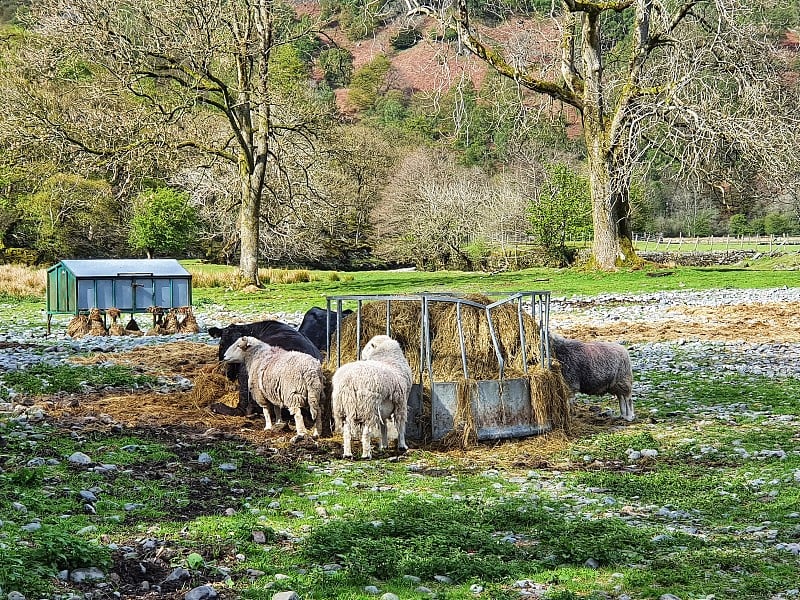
{"x":367,"y":392}
{"x":270,"y":331}
{"x":284,"y":378}
{"x":596,"y":368}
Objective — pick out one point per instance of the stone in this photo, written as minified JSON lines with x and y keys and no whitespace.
{"x":203,"y":592}
{"x":79,"y":458}
{"x":86,"y":574}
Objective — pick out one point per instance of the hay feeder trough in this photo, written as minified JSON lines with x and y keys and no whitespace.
{"x":476,"y":361}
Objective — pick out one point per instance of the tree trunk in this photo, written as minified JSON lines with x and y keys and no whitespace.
{"x":249,"y":228}
{"x":613,"y":241}
{"x":609,"y":180}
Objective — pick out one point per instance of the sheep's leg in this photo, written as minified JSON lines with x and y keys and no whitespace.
{"x":626,"y":407}
{"x":267,"y":418}
{"x":299,"y":425}
{"x":366,"y":442}
{"x":384,"y":436}
{"x":278,"y":416}
{"x":346,"y":439}
{"x":401,"y":436}
{"x":317,"y":431}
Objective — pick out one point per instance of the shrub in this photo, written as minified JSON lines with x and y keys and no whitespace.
{"x":779,"y":224}
{"x":337,"y":66}
{"x":368,"y":81}
{"x":737,"y":224}
{"x":406,"y":38}
{"x":562,"y":209}
{"x":163,"y":222}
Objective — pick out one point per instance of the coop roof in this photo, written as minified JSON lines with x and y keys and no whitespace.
{"x":156,"y":267}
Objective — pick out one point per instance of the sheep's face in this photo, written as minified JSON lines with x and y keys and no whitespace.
{"x":374,"y":344}
{"x":238,"y":350}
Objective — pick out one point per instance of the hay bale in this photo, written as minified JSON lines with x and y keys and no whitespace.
{"x":78,"y":326}
{"x":170,"y":324}
{"x":188,"y":324}
{"x":97,"y":325}
{"x":115,"y":328}
{"x":406,"y":325}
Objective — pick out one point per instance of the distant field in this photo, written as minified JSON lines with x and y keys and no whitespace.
{"x":763,"y":243}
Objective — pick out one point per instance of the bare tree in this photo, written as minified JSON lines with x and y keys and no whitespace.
{"x":698,"y":80}
{"x":206,"y":71}
{"x":432,"y":209}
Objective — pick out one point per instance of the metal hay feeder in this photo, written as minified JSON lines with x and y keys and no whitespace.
{"x":501,"y":408}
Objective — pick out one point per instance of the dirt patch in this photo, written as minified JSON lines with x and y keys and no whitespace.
{"x":778,"y":323}
{"x":190,"y":411}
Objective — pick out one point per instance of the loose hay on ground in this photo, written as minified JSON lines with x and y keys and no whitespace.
{"x":181,"y":358}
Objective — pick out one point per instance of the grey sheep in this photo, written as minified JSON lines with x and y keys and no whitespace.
{"x":596,"y":368}
{"x":368,"y":392}
{"x":283,"y":378}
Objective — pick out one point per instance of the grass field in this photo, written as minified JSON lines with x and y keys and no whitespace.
{"x":712,"y":515}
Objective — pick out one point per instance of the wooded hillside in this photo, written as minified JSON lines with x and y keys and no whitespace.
{"x":385,"y":141}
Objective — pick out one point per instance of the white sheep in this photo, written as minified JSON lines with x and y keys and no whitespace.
{"x":283,"y":378}
{"x":596,"y":368}
{"x":368,"y":392}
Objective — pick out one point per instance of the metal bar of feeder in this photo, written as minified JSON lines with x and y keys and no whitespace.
{"x":422,"y":345}
{"x":328,"y":327}
{"x":522,"y":340}
{"x":500,"y":362}
{"x":388,"y":318}
{"x":338,"y":339}
{"x":358,"y":332}
{"x":544,"y":326}
{"x":461,"y":340}
{"x":427,"y":333}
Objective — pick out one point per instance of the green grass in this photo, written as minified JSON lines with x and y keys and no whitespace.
{"x":567,"y":282}
{"x":703,"y":518}
{"x":686,"y":523}
{"x":45,"y":378}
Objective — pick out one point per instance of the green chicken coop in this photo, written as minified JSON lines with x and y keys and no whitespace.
{"x":132,"y":286}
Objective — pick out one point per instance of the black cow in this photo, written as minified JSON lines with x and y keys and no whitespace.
{"x":315,"y":325}
{"x":274,"y":333}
